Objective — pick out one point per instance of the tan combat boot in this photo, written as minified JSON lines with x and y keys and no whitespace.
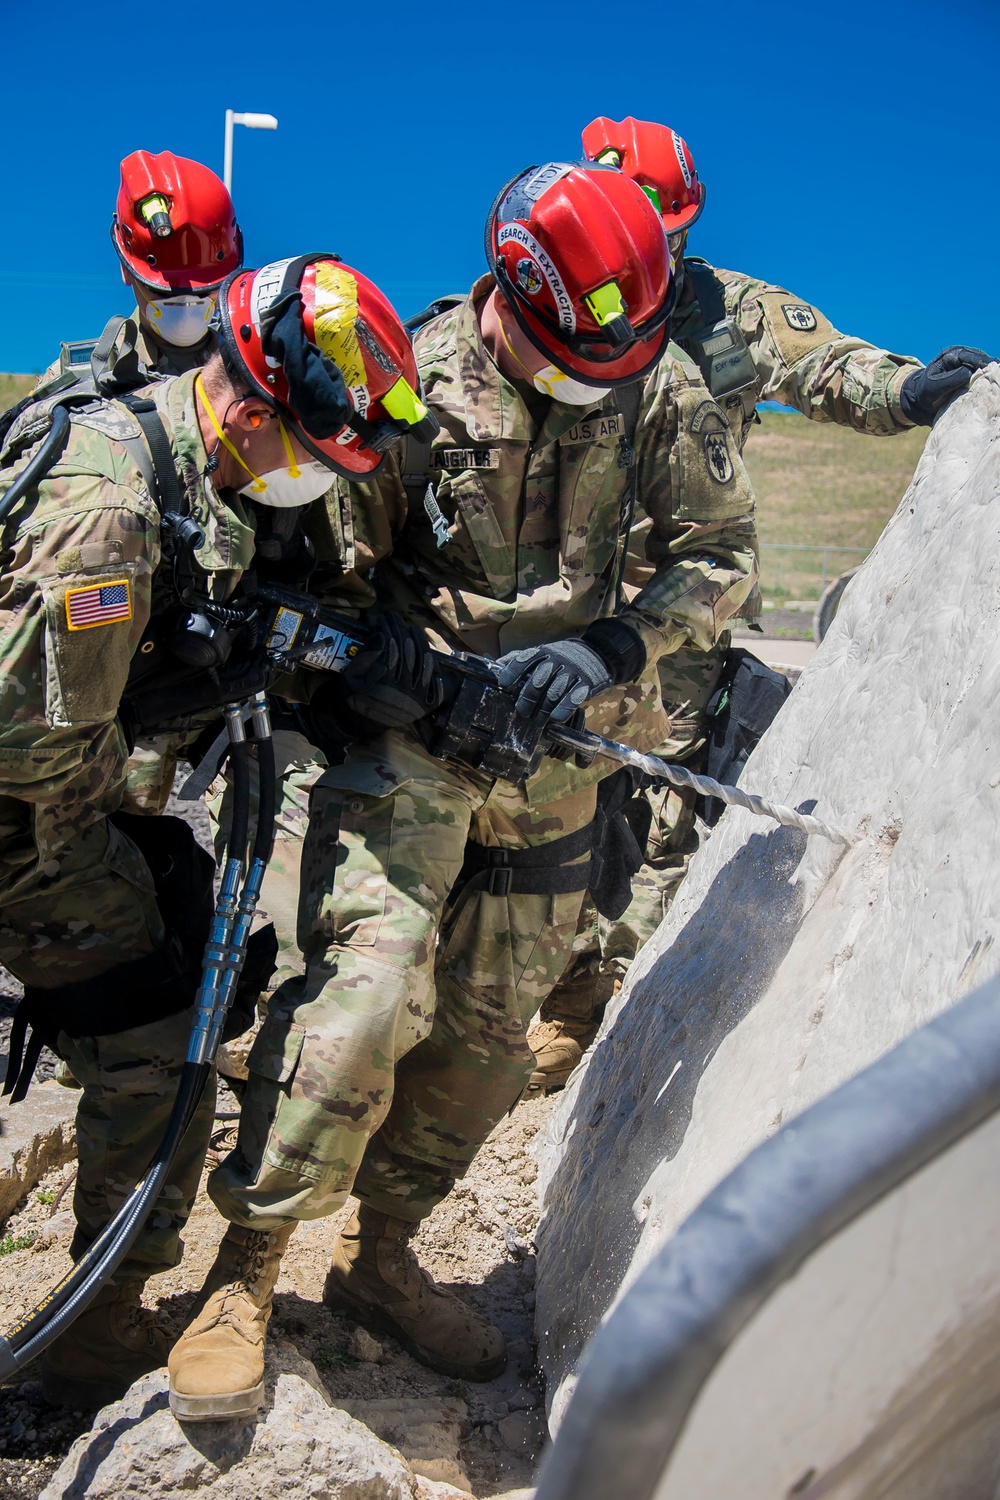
{"x":375,"y":1277}
{"x":558,"y":1047}
{"x":217,"y":1364}
{"x":112,"y":1343}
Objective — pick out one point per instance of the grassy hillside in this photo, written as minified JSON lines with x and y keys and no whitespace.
{"x":13,"y":387}
{"x":822,"y":485}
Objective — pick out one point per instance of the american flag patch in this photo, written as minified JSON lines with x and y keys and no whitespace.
{"x":101,"y":605}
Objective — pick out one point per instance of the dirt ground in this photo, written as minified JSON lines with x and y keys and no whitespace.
{"x":479,"y":1242}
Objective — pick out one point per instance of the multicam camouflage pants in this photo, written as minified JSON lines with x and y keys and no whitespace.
{"x":129,"y":1082}
{"x":384,"y":1067}
{"x":297,"y":765}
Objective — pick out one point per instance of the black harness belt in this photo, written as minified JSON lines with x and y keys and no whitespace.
{"x":543,"y":870}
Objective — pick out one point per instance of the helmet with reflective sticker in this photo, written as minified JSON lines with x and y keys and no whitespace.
{"x":174,"y":227}
{"x":342,"y":324}
{"x":655,"y":157}
{"x":579,"y":256}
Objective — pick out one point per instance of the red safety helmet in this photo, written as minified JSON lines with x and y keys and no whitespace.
{"x":580,"y":258}
{"x":175,"y":227}
{"x":657,"y":159}
{"x":340,"y":319}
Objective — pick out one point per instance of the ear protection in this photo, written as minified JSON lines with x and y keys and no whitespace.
{"x":255,"y":419}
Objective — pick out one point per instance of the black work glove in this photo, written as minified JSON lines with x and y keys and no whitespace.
{"x":391,"y":682}
{"x":552,"y":681}
{"x":925,"y":394}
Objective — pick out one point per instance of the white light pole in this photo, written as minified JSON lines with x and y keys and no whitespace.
{"x":252,"y":122}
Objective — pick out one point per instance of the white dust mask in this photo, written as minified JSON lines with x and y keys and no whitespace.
{"x":285,"y":488}
{"x":180,"y":321}
{"x":292,"y":485}
{"x":562,"y":387}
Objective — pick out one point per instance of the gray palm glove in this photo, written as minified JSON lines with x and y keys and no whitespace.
{"x":552,"y":681}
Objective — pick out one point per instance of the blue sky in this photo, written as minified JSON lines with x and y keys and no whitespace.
{"x":851,"y":154}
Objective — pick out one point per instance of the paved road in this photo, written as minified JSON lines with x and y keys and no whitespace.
{"x":777,"y":653}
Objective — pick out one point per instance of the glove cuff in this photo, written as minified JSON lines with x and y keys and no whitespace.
{"x":620,"y":648}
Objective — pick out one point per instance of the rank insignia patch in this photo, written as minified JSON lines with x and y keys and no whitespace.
{"x":798,"y":315}
{"x":101,"y":604}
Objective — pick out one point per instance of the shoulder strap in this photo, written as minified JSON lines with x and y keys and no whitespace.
{"x":707,"y":289}
{"x":158,"y":469}
{"x":115,"y":364}
{"x":629,"y":404}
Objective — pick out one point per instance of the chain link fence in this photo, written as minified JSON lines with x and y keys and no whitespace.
{"x":794,"y":570}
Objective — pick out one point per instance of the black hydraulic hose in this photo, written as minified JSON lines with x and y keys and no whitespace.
{"x":267,"y":800}
{"x":48,"y":453}
{"x":27,"y":1339}
{"x":223,"y":959}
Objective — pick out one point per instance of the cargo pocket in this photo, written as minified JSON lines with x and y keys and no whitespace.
{"x":275,"y":1052}
{"x":87,"y":646}
{"x":484,"y":530}
{"x":320,"y":1109}
{"x":345,"y":864}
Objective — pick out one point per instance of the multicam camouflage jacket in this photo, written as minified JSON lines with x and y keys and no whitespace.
{"x":800,"y":359}
{"x":515,"y":533}
{"x":80,"y":579}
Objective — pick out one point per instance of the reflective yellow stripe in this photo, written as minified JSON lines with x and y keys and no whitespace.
{"x":403,"y":404}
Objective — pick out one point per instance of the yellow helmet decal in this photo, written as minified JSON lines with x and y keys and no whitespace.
{"x":335,"y":318}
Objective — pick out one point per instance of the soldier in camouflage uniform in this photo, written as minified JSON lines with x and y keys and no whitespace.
{"x":176,"y":276}
{"x":94,"y":928}
{"x":753,"y":341}
{"x":382,"y":1071}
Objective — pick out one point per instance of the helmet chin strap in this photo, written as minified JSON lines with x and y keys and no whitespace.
{"x":259,"y":485}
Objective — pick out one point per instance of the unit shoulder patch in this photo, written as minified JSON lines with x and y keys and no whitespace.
{"x":100,"y":604}
{"x":795,"y":328}
{"x":718,"y":459}
{"x":709,"y":418}
{"x":799,"y":315}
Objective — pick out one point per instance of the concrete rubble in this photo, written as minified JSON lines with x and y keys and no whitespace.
{"x":35,"y":1136}
{"x":301,"y":1448}
{"x":426,"y":1430}
{"x":787,"y":965}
